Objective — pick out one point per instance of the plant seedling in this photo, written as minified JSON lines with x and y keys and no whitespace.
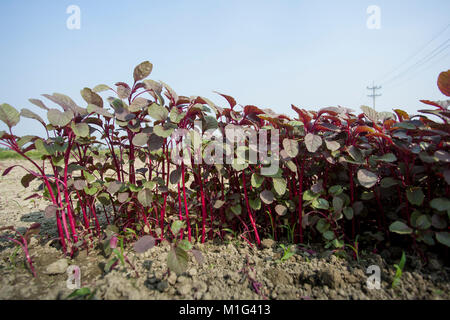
{"x":355,"y":248}
{"x":287,"y":253}
{"x":82,"y":294}
{"x":399,"y":270}
{"x":177,"y":259}
{"x":24,"y":240}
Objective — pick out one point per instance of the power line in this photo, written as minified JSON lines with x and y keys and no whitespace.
{"x":373,"y":95}
{"x":415,"y":53}
{"x":419,"y":71}
{"x":422,"y":61}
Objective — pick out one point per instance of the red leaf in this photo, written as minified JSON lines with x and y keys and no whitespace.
{"x":252,"y":109}
{"x":7,"y":170}
{"x":303,"y":115}
{"x":327,"y":127}
{"x":401,"y":114}
{"x":230,"y":99}
{"x":34,"y":195}
{"x":443,"y":82}
{"x":360,"y":129}
{"x":381,"y":135}
{"x":139,"y":85}
{"x":123,"y":84}
{"x":432,"y":103}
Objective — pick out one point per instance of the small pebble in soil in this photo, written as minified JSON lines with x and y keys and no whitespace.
{"x":184,"y":289}
{"x":57,"y":267}
{"x":147,"y":264}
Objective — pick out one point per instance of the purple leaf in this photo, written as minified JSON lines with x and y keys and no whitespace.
{"x":144,"y":243}
{"x":113,"y":242}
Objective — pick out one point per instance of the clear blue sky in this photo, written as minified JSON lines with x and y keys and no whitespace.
{"x":267,"y":53}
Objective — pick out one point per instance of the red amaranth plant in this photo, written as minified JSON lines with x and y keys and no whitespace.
{"x":341,"y":174}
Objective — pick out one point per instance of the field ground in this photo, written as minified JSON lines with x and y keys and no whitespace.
{"x":230,"y":271}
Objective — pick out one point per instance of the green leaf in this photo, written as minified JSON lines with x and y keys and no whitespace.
{"x":142,"y":71}
{"x":367,"y":195}
{"x":163,"y":132}
{"x":140,"y":139}
{"x":176,"y":116}
{"x":443,"y":237}
{"x":58,"y":118}
{"x":440,"y":204}
{"x":89,"y":177}
{"x":313,"y":142}
{"x":155,"y":142}
{"x":338,"y":204}
{"x":308,"y":195}
{"x":90,"y":191}
{"x":158,"y":112}
{"x":329,"y":235}
{"x":280,"y":209}
{"x":138,"y":104}
{"x":79,"y":293}
{"x":291,"y":165}
{"x":44,"y":148}
{"x":320,"y":203}
{"x":218,"y":204}
{"x":332,"y":145}
{"x":91,"y":97}
{"x":256,"y":180}
{"x":185,"y":245}
{"x":31,"y":115}
{"x":322,"y":225}
{"x":388,"y":182}
{"x":175,"y":176}
{"x":356,"y":154}
{"x":100,"y":88}
{"x":149,"y":184}
{"x":414,"y":216}
{"x":80,"y":129}
{"x":267,"y":196}
{"x":279,"y":185}
{"x":370,"y":113}
{"x":348,"y":213}
{"x":291,"y":147}
{"x":255,"y":204}
{"x":209,"y":123}
{"x":415,"y":196}
{"x":236,"y":209}
{"x":423,"y":222}
{"x":91,"y":108}
{"x":9,"y":115}
{"x":103,"y":198}
{"x":388,"y":157}
{"x":145,"y":197}
{"x":367,"y":178}
{"x":335,"y":190}
{"x":400,"y":228}
{"x":177,"y":225}
{"x":438,"y":221}
{"x":177,"y":260}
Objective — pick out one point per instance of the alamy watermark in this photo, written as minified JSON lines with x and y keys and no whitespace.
{"x":73,"y":22}
{"x":73,"y":277}
{"x":374,"y":19}
{"x":374,"y":280}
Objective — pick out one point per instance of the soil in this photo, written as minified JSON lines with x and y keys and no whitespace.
{"x":230,"y":271}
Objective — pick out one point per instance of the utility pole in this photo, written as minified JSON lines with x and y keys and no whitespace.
{"x":373,"y":95}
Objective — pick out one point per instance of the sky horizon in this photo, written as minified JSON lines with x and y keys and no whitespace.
{"x":271,"y":54}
